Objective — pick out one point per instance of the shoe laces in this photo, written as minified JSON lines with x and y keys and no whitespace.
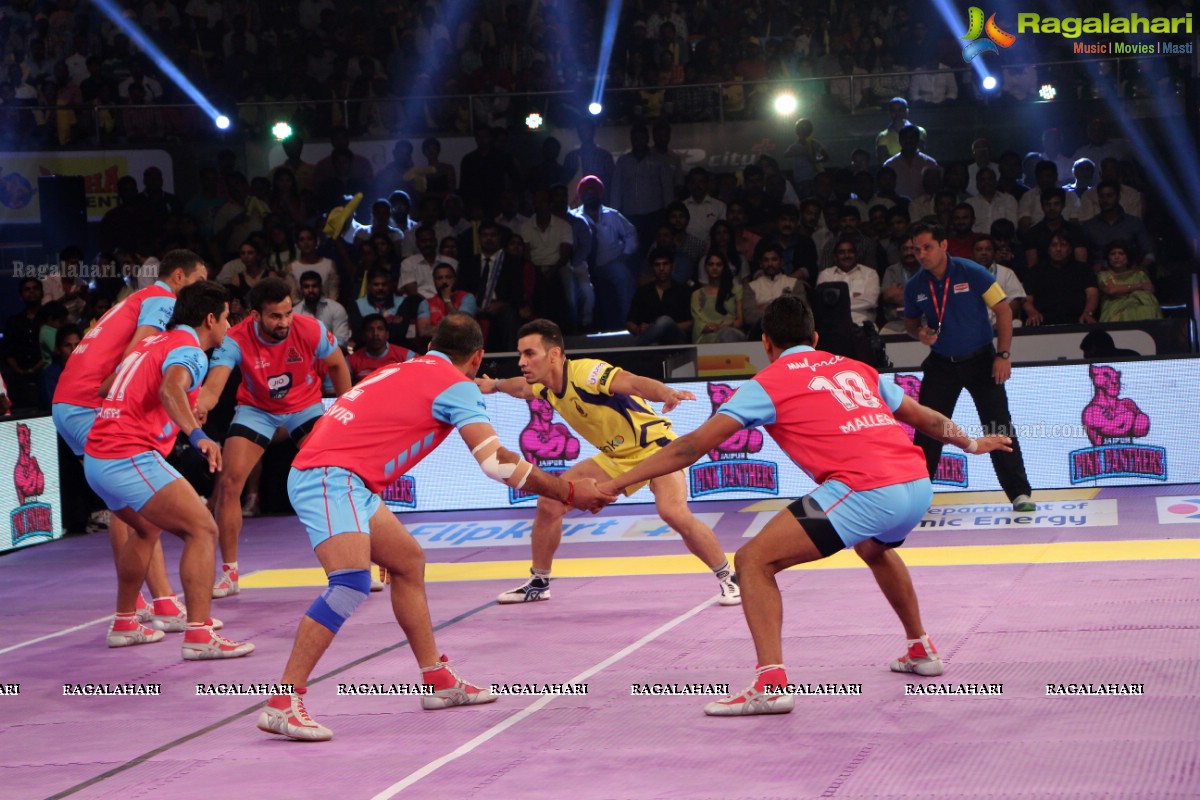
{"x":300,"y":711}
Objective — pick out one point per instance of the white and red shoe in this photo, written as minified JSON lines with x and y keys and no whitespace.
{"x":127,"y":631}
{"x":201,"y":643}
{"x":767,"y":695}
{"x":921,"y":659}
{"x":286,"y":715}
{"x":145,"y":611}
{"x":227,"y":584}
{"x":170,"y":616}
{"x":449,"y":689}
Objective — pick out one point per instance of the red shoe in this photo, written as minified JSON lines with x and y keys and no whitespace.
{"x":201,"y":643}
{"x":766,"y":696}
{"x":127,"y":631}
{"x":921,"y":659}
{"x":286,"y":715}
{"x":449,"y":689}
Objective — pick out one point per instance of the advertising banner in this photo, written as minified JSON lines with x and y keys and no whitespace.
{"x":1079,"y":425}
{"x":101,"y":169}
{"x":30,"y":502}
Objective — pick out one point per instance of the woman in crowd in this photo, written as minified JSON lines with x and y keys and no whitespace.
{"x":717,"y":307}
{"x":1126,"y":293}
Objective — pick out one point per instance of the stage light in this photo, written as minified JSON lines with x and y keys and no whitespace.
{"x":281,"y":131}
{"x":1047,"y":92}
{"x":594,"y":109}
{"x":990,"y":83}
{"x":534,"y":121}
{"x":786,"y":104}
{"x":222,"y":121}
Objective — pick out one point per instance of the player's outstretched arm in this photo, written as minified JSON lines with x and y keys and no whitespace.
{"x":682,"y":452}
{"x":937,"y":425}
{"x":625,"y":382}
{"x":173,"y":394}
{"x":513,"y":387}
{"x":510,"y":469}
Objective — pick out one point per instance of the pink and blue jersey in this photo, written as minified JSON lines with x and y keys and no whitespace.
{"x":277,"y":377}
{"x":388,"y":423}
{"x":833,"y":417}
{"x":100,"y":351}
{"x":132,"y":419}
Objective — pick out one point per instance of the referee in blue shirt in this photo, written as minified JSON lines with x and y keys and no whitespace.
{"x":954,"y":295}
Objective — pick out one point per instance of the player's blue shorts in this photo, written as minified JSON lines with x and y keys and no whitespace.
{"x":262,"y":424}
{"x":73,"y":423}
{"x":331,"y":500}
{"x":886,"y":514}
{"x":131,"y":482}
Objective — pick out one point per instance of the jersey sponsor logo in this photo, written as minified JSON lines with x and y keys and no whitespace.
{"x":1112,"y":423}
{"x":921,"y":298}
{"x":293,"y":356}
{"x":593,"y":377}
{"x":545,"y":443}
{"x":262,"y":363}
{"x":731,"y":469}
{"x":606,"y":375}
{"x":959,"y":288}
{"x":31,"y":519}
{"x":279,"y":385}
{"x":952,"y":468}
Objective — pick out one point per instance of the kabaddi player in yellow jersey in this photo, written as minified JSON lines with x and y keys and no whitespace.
{"x":607,"y":406}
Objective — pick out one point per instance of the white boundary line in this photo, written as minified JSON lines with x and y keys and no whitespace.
{"x":56,"y":634}
{"x":536,"y":706}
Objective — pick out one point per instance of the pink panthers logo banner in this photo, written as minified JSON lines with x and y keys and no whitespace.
{"x":31,"y":519}
{"x":546,"y":444}
{"x":1112,"y":423}
{"x":952,"y":467}
{"x":732,"y":469}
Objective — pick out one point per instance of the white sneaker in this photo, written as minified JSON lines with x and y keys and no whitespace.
{"x":139,"y":635}
{"x":731,"y":593}
{"x":226,"y":585}
{"x":921,"y":659}
{"x":531,"y":591}
{"x":450,"y":689}
{"x":287,"y":716}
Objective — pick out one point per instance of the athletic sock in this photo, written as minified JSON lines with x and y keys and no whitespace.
{"x":722,"y":572}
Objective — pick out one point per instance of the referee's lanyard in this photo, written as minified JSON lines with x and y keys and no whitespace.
{"x":940,"y":310}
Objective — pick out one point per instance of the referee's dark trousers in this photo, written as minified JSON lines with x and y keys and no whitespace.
{"x":941,"y":386}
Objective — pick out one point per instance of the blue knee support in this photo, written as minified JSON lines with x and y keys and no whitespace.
{"x":348,"y":588}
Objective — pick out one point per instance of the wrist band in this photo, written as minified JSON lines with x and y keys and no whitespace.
{"x":973,"y":447}
{"x":570,"y":493}
{"x":197,"y":436}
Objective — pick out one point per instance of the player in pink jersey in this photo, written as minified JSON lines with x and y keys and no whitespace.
{"x":278,"y":354}
{"x":150,"y":400}
{"x":837,"y":419}
{"x":371,"y":436}
{"x":85,"y":381}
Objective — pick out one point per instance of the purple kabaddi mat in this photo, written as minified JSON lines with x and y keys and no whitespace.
{"x":1020,"y":625}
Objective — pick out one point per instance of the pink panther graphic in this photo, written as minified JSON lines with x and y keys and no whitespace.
{"x":745,"y":441}
{"x":1109,"y":416}
{"x":27,"y":477}
{"x":543,"y":439}
{"x":911,"y":385}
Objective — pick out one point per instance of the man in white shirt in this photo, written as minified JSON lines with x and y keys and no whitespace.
{"x":862,"y":280}
{"x":985,"y":255}
{"x":416,"y":276}
{"x":769,"y":285}
{"x":703,"y":208}
{"x":981,"y":149}
{"x":330,"y":312}
{"x":550,"y":238}
{"x":989,"y":204}
{"x":1029,"y":209}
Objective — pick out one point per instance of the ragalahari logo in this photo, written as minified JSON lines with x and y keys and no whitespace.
{"x":544,"y":443}
{"x":995,"y":38}
{"x":1112,"y":423}
{"x":731,"y":470}
{"x":31,"y":519}
{"x":952,"y":467}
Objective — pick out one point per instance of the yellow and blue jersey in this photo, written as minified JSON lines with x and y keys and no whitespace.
{"x":621,"y":426}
